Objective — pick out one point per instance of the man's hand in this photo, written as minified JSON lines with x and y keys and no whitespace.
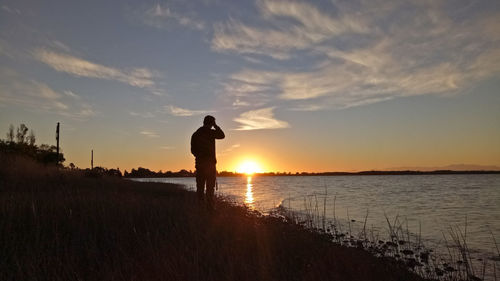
{"x":219,"y":134}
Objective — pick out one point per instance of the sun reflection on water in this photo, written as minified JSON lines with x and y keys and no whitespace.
{"x":249,"y":194}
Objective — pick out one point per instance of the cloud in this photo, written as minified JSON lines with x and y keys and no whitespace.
{"x":347,"y":53}
{"x":177,"y":111}
{"x":166,"y":147}
{"x":349,"y":84}
{"x":243,"y":39}
{"x":38,"y":96}
{"x":239,"y":103}
{"x":149,"y":134}
{"x":162,"y":16}
{"x":308,"y":107}
{"x":318,"y":24}
{"x":142,"y":115}
{"x":59,"y":45}
{"x":137,"y":77}
{"x":250,"y":87}
{"x":72,"y":95}
{"x":260,"y":119}
{"x":86,"y":110}
{"x":231,"y":148}
{"x":293,"y":26}
{"x":5,"y":49}
{"x":11,"y":10}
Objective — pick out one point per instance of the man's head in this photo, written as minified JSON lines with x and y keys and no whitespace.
{"x":209,"y":121}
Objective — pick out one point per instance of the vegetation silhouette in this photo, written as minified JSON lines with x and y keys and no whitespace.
{"x":147,"y":173}
{"x":101,"y":171}
{"x":22,"y":143}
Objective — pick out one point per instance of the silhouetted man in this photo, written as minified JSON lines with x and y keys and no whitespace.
{"x":203,"y":149}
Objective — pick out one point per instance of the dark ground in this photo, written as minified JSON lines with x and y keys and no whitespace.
{"x":63,"y":225}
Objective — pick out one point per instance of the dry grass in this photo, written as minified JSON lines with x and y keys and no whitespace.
{"x":60,"y":225}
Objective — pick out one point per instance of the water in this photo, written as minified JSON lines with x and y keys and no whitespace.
{"x":428,"y":204}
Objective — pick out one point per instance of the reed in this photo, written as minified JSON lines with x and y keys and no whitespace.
{"x":497,"y":257}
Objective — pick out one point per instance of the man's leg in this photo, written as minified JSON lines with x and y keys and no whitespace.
{"x":210,"y":185}
{"x":200,"y":182}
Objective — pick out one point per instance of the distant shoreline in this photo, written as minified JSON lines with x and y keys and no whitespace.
{"x":189,"y":174}
{"x":370,"y":173}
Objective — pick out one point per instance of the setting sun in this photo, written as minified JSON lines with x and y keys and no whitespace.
{"x":249,"y":167}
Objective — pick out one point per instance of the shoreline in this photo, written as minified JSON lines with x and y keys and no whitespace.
{"x":61,"y":225}
{"x":445,"y":257}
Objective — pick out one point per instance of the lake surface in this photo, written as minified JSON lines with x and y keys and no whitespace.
{"x":428,"y":204}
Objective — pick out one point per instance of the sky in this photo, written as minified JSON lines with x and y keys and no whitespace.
{"x":296,"y":85}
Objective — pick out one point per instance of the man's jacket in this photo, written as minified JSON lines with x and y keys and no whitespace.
{"x":203,"y":144}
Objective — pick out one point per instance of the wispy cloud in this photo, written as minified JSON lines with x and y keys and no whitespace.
{"x":355,"y":56}
{"x":239,"y":103}
{"x":11,"y":10}
{"x":243,"y":39}
{"x":231,"y":148}
{"x":293,"y":26}
{"x":250,"y":87}
{"x":142,"y":115}
{"x":308,"y":107}
{"x":178,"y":111}
{"x":162,"y":16}
{"x":5,"y":49}
{"x":260,"y":119}
{"x":149,"y":134}
{"x":167,"y":147}
{"x":137,"y":77}
{"x":72,"y":95}
{"x":59,"y":45}
{"x":38,"y":96}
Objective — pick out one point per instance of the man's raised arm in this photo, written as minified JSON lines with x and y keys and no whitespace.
{"x":218,"y":133}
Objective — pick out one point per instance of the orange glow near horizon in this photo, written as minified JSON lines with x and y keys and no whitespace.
{"x":249,"y":167}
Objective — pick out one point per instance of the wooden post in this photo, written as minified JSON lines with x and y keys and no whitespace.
{"x":57,"y":140}
{"x":92,"y":159}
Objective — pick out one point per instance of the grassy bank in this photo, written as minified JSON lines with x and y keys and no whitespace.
{"x":61,"y":225}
